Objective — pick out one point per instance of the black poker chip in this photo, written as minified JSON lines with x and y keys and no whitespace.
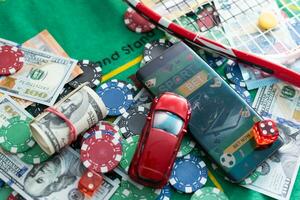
{"x":65,"y":91}
{"x":132,"y":122}
{"x":155,"y":49}
{"x":92,"y":74}
{"x":35,"y":109}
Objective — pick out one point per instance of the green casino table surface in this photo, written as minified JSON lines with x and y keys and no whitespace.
{"x":95,"y":30}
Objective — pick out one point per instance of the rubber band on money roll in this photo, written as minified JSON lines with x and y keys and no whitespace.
{"x":72,"y":128}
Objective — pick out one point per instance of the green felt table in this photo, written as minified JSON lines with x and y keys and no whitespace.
{"x":95,"y":30}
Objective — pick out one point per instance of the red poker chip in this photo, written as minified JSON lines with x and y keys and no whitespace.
{"x":101,"y":152}
{"x":13,"y":196}
{"x":11,"y":59}
{"x":136,"y":22}
{"x":207,"y":19}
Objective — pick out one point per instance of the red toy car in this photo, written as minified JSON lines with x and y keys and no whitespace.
{"x":160,"y":140}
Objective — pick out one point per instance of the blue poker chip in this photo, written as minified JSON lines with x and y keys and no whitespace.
{"x":116,"y":96}
{"x":234,"y":74}
{"x":245,"y":94}
{"x":2,"y":183}
{"x":191,"y":181}
{"x":165,"y":193}
{"x":214,"y":60}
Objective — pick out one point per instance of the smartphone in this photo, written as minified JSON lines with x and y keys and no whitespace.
{"x":221,"y":120}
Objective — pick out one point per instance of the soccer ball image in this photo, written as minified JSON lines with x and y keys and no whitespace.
{"x":227,"y":160}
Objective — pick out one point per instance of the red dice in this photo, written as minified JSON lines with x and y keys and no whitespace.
{"x":89,"y":182}
{"x":265,"y":132}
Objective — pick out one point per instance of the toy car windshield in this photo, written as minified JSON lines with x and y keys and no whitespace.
{"x":168,"y":122}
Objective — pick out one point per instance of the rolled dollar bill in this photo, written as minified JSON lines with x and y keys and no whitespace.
{"x":83,"y":108}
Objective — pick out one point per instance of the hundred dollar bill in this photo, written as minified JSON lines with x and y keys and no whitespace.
{"x":82,"y":107}
{"x":44,"y":41}
{"x":42,"y":77}
{"x":23,"y":103}
{"x":9,"y":108}
{"x":280,"y":102}
{"x":280,"y":99}
{"x":55,"y":179}
{"x":278,"y":173}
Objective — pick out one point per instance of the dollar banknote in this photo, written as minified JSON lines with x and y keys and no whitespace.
{"x":55,"y":179}
{"x":9,"y":108}
{"x":278,"y":173}
{"x":23,"y":103}
{"x":280,"y":102}
{"x":82,"y":107}
{"x":44,"y":41}
{"x":41,"y":78}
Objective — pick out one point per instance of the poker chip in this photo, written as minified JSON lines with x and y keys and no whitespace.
{"x":251,"y":179}
{"x":189,"y":174}
{"x":35,"y":109}
{"x":129,"y":86}
{"x":165,"y":193}
{"x":2,"y":183}
{"x":171,"y":38}
{"x":116,"y":135}
{"x":136,"y":22}
{"x":35,"y":155}
{"x":13,"y":196}
{"x":116,"y":97}
{"x":104,"y":125}
{"x":187,"y":145}
{"x":155,"y":48}
{"x":123,"y":192}
{"x":64,"y":92}
{"x":245,"y":94}
{"x":214,"y":60}
{"x":207,"y":18}
{"x":11,"y":59}
{"x":132,"y":122}
{"x":15,"y":135}
{"x":209,"y":193}
{"x":234,"y":74}
{"x":129,"y":145}
{"x":92,"y":73}
{"x":143,"y":98}
{"x":101,"y":152}
{"x":129,"y":191}
{"x":142,"y":63}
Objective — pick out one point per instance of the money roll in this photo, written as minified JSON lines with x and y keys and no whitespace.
{"x":82,"y":107}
